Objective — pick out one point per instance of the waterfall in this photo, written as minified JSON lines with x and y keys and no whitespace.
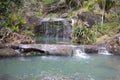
{"x":54,"y":30}
{"x":46,"y":32}
{"x":57,"y":31}
{"x":80,"y":53}
{"x":104,"y":51}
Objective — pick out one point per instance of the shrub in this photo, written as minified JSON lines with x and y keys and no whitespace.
{"x":83,"y":35}
{"x":14,"y":22}
{"x":48,"y":3}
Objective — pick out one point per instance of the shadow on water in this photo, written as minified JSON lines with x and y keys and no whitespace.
{"x":8,"y":77}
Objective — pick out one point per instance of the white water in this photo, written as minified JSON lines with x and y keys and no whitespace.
{"x":80,"y":53}
{"x":104,"y":51}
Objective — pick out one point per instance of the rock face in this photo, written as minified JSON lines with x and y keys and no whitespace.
{"x":113,"y":44}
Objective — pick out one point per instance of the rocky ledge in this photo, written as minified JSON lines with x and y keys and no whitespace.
{"x":60,"y":49}
{"x":45,"y":49}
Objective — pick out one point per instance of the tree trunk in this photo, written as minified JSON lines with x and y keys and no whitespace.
{"x":103,"y":13}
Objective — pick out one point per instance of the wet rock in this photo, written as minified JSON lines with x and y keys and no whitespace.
{"x":60,"y":49}
{"x":8,"y":52}
{"x":91,"y":49}
{"x":50,"y":49}
{"x":113,"y":44}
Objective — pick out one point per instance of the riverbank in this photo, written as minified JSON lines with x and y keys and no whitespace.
{"x":111,"y":45}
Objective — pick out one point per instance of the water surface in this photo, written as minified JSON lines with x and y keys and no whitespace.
{"x":96,"y":67}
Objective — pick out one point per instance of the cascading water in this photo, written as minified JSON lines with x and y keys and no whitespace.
{"x":80,"y":52}
{"x":53,"y":30}
{"x":104,"y":51}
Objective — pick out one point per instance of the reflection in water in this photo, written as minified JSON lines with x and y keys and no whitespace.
{"x":97,"y":67}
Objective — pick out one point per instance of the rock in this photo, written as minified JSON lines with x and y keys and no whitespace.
{"x":53,"y":50}
{"x":88,"y":18}
{"x":2,"y":46}
{"x":112,"y":43}
{"x":8,"y":52}
{"x":64,"y":15}
{"x":49,"y":49}
{"x":60,"y":49}
{"x":91,"y":49}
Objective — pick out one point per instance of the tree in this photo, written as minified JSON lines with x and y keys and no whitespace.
{"x":105,"y":5}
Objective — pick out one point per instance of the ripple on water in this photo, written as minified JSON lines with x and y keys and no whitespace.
{"x":46,"y":76}
{"x":49,"y":58}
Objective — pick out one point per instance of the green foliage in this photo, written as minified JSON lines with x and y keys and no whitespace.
{"x":118,"y":3}
{"x":107,"y":3}
{"x":83,"y":35}
{"x":48,"y":3}
{"x":73,"y":3}
{"x":14,"y":22}
{"x":7,"y":6}
{"x":90,"y":5}
{"x":8,"y":19}
{"x":40,"y":13}
{"x":15,"y":29}
{"x":28,"y":32}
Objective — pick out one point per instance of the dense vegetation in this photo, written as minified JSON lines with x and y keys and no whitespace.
{"x":14,"y":16}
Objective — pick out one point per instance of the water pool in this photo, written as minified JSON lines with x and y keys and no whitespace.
{"x":96,"y":67}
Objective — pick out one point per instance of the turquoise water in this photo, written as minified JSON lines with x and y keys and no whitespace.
{"x":96,"y":67}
